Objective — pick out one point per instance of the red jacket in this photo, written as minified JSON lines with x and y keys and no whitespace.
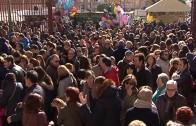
{"x":112,"y":73}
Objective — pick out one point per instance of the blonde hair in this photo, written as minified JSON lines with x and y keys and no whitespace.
{"x":137,"y":123}
{"x":63,"y":71}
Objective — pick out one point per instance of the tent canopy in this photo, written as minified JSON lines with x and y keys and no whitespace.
{"x":168,"y":6}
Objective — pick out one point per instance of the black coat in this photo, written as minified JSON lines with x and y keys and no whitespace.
{"x":147,"y":115}
{"x":107,"y":109}
{"x":9,"y":101}
{"x":144,"y":77}
{"x":156,"y":70}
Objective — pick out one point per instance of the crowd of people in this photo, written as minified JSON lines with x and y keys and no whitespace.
{"x":142,"y":74}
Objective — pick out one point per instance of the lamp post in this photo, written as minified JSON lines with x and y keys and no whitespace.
{"x":50,"y":19}
{"x":9,"y":16}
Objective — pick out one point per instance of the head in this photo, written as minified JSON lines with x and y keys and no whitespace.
{"x":58,"y":102}
{"x":183,"y":64}
{"x":31,"y":78}
{"x":8,"y":61}
{"x":54,"y":60}
{"x":139,"y":60}
{"x":164,"y":55}
{"x":40,"y":71}
{"x":90,"y":78}
{"x":33,"y":63}
{"x":184,"y":114}
{"x":150,"y":59}
{"x":137,"y":123}
{"x":128,"y":81}
{"x":171,"y":88}
{"x":10,"y":77}
{"x":129,"y":56}
{"x":71,"y":54}
{"x":157,"y":54}
{"x":105,"y":62}
{"x":129,"y":69}
{"x":33,"y":103}
{"x":145,"y":94}
{"x":85,"y":63}
{"x":162,"y":79}
{"x":63,"y":71}
{"x":72,"y":94}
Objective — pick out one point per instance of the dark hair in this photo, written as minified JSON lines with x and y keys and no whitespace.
{"x":85,"y":63}
{"x":40,"y":71}
{"x":34,"y":61}
{"x":10,"y":77}
{"x":141,"y":57}
{"x":33,"y":103}
{"x":184,"y":60}
{"x":150,"y":55}
{"x":184,"y":114}
{"x":32,"y":75}
{"x":144,"y":50}
{"x":9,"y":58}
{"x":89,"y":73}
{"x":73,"y":94}
{"x":107,"y":61}
{"x":16,"y":54}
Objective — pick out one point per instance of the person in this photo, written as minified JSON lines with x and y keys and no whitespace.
{"x":143,"y":74}
{"x":109,"y":71}
{"x":71,"y":114}
{"x":128,"y":94}
{"x":137,"y":123}
{"x":89,"y":88}
{"x":154,"y":68}
{"x":184,"y":115}
{"x":32,"y":87}
{"x":17,"y":70}
{"x":32,"y":114}
{"x":128,"y":58}
{"x":65,"y":80}
{"x":142,"y":109}
{"x":3,"y":70}
{"x":13,"y":93}
{"x":161,"y":85}
{"x":185,"y":79}
{"x":163,"y":61}
{"x":129,"y":69}
{"x":107,"y":108}
{"x":169,"y":102}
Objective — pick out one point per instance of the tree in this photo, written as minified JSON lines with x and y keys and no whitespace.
{"x":103,"y":6}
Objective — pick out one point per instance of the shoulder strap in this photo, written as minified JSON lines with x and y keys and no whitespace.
{"x":13,"y":93}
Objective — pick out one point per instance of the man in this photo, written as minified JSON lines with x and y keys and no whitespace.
{"x":73,"y":59}
{"x":124,"y":62}
{"x":25,"y":41}
{"x":97,"y":68}
{"x":107,"y":48}
{"x":169,"y":102}
{"x":51,"y":70}
{"x":143,"y":74}
{"x":13,"y":68}
{"x":109,"y":71}
{"x":185,"y":80}
{"x":32,"y":87}
{"x":163,"y":61}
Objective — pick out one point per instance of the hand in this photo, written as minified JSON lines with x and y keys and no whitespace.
{"x":129,"y":91}
{"x":83,"y":99}
{"x":9,"y":119}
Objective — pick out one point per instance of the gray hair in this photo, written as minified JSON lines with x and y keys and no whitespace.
{"x":171,"y":82}
{"x":164,"y":77}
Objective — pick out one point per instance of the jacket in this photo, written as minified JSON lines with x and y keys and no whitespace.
{"x":107,"y":109}
{"x":71,"y":115}
{"x":161,"y":104}
{"x":34,"y":119}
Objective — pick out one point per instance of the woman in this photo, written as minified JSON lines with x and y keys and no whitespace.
{"x":129,"y":69}
{"x":24,"y":62}
{"x":161,"y":83}
{"x":154,"y":68}
{"x":41,"y":60}
{"x":33,"y":63}
{"x":71,"y":114}
{"x":88,"y":88}
{"x":107,"y":108}
{"x":32,"y":114}
{"x":85,"y":63}
{"x":65,"y":79}
{"x":128,"y":94}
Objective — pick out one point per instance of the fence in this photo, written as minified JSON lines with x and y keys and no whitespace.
{"x":21,"y":10}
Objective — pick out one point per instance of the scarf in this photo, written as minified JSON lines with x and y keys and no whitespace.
{"x":157,"y":93}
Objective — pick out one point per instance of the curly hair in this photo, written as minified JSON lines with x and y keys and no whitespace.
{"x":184,"y":114}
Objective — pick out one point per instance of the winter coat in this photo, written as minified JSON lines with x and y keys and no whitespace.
{"x":34,"y":119}
{"x":107,"y":109}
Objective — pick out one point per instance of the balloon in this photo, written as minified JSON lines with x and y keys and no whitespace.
{"x":72,"y":14}
{"x":115,"y":10}
{"x":103,"y":19}
{"x":74,"y":9}
{"x":118,"y":8}
{"x":109,"y":21}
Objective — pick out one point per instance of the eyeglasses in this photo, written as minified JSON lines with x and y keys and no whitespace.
{"x":171,"y":89}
